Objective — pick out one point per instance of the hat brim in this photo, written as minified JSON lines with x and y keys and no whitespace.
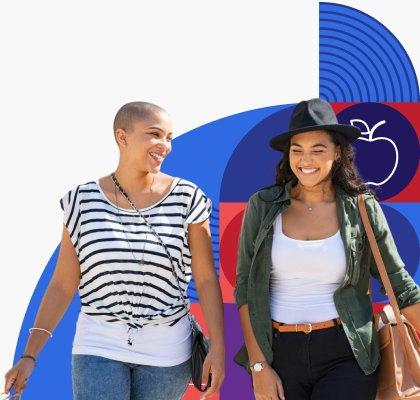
{"x":350,"y":133}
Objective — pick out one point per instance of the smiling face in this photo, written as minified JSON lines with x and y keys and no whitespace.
{"x":147,"y":143}
{"x":311,"y":157}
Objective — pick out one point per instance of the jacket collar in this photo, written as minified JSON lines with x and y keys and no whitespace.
{"x":275,"y":193}
{"x":279,"y":197}
{"x":280,"y":193}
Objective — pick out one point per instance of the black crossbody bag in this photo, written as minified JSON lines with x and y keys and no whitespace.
{"x":200,"y":343}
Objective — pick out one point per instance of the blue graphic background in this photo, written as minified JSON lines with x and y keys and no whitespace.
{"x":360,"y":61}
{"x":400,"y":131}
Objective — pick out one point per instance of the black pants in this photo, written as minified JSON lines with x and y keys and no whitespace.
{"x":320,"y":366}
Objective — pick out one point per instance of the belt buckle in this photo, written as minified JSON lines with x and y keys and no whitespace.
{"x":310,"y":329}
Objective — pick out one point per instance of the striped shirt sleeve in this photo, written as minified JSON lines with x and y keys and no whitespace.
{"x":70,"y":204}
{"x":200,"y":207}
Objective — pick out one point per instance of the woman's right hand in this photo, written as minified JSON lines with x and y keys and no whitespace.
{"x":17,"y":377}
{"x":267,"y":385}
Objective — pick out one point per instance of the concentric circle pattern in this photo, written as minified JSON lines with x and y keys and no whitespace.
{"x":361,"y":60}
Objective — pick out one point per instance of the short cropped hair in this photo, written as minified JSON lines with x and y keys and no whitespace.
{"x":132,"y":112}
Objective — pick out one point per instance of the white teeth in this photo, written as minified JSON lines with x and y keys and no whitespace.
{"x":308,"y":170}
{"x":156,"y":156}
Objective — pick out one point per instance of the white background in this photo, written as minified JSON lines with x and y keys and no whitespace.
{"x":67,"y":67}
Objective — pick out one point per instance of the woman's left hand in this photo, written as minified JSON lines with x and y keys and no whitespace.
{"x":214,"y":364}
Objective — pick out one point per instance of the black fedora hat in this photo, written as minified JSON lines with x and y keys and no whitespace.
{"x":314,"y":115}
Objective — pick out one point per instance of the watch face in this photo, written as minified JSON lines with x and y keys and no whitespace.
{"x":258,"y":367}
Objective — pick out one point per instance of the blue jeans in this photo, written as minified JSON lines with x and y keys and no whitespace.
{"x":99,"y":378}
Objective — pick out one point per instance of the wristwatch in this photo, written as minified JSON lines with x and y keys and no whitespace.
{"x":258,"y":366}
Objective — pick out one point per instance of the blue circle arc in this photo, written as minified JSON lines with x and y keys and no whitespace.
{"x":357,"y":51}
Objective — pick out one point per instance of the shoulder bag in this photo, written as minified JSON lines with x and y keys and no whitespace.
{"x":399,"y":368}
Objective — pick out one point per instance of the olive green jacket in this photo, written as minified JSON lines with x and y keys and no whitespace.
{"x":351,"y":298}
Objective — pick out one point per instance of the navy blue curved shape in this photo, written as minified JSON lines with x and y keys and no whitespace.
{"x":337,"y":62}
{"x":393,"y":48}
{"x":360,"y":53}
{"x":360,"y":35}
{"x":322,"y":93}
{"x":358,"y":94}
{"x":347,"y":55}
{"x":253,"y":159}
{"x":330,"y":83}
{"x":327,"y":72}
{"x":406,"y":239}
{"x":373,"y":48}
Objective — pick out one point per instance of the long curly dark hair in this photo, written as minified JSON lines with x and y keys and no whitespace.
{"x":344,"y":172}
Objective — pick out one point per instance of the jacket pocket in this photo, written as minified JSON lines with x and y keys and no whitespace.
{"x":357,"y":249}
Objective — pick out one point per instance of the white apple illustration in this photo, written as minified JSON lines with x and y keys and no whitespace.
{"x":369,"y":138}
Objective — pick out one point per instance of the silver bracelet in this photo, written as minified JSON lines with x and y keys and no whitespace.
{"x":40,"y":329}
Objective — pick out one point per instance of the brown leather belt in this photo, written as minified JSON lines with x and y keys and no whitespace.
{"x":306,"y":328}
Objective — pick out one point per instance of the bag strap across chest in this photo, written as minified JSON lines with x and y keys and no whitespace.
{"x":378,"y":259}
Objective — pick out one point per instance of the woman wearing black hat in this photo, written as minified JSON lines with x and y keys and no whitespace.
{"x":304,"y":265}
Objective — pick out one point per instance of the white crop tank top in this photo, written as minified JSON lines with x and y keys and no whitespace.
{"x":304,"y":277}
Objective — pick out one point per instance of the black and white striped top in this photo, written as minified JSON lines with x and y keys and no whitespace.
{"x":111,"y":242}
